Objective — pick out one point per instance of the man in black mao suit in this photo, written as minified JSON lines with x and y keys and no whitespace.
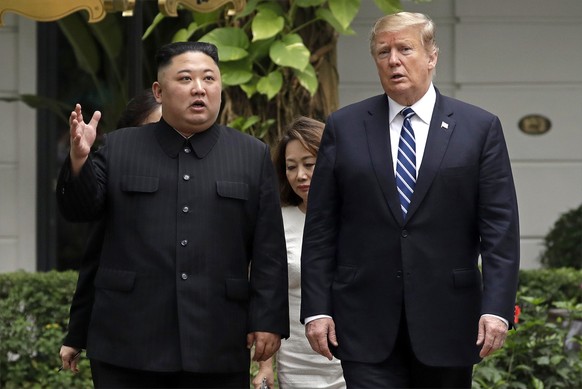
{"x":193,"y":268}
{"x":391,"y":283}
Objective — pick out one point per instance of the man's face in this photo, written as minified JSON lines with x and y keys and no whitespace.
{"x":404,"y":66}
{"x":189,"y":90}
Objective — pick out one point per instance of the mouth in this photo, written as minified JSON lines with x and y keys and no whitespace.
{"x":198,"y":104}
{"x":303,"y":187}
{"x":397,"y":77}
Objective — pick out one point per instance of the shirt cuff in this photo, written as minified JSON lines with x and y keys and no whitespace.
{"x":486,"y":314}
{"x":312,"y":318}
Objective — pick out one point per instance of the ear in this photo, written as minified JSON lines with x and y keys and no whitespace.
{"x":432,"y":59}
{"x":157,"y":91}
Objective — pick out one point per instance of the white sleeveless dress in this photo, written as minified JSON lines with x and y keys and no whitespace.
{"x":298,"y":366}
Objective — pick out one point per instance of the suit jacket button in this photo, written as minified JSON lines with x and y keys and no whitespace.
{"x":185,"y":209}
{"x":184,"y":243}
{"x":186,"y":177}
{"x":404,"y":233}
{"x":399,"y":274}
{"x":184,"y":276}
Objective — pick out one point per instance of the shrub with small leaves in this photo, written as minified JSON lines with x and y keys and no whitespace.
{"x":563,"y":244}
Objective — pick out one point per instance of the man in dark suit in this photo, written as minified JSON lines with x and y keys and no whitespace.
{"x":193,"y":267}
{"x":391,"y":283}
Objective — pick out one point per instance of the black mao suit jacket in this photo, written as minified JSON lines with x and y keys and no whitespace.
{"x":361,"y":262}
{"x":194,"y":254}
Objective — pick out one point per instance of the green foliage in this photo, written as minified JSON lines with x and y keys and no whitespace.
{"x":563,"y":244}
{"x":34,"y":311}
{"x":551,"y":285}
{"x":534,"y":354}
{"x":277,"y":59}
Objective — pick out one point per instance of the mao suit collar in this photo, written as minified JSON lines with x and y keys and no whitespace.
{"x":172,"y":141}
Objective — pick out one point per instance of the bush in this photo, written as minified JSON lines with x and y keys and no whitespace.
{"x":34,"y":312}
{"x":563,"y":244}
{"x":535,"y":353}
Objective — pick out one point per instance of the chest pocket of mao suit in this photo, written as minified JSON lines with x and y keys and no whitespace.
{"x":139,"y":184}
{"x":233,"y":190}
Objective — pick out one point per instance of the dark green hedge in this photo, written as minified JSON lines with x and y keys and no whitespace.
{"x":34,"y":309}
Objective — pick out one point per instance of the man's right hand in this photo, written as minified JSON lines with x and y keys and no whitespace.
{"x":70,"y":358}
{"x":319,"y":332}
{"x":82,"y":137}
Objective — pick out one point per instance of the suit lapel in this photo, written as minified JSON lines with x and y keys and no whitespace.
{"x":378,"y":136}
{"x":439,"y":133}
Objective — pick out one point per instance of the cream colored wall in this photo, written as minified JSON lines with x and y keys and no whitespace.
{"x":17,"y":146}
{"x":512,"y":58}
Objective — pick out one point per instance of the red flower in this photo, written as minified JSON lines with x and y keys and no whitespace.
{"x":516,"y":313}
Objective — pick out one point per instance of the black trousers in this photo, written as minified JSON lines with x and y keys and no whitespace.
{"x":108,"y":376}
{"x":403,"y":370}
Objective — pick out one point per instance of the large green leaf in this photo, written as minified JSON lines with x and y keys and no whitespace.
{"x":184,"y":34}
{"x":308,"y":3}
{"x":82,"y":42}
{"x":266,"y":24}
{"x":326,"y":15}
{"x":157,"y":20}
{"x":290,"y":52}
{"x":389,"y":6}
{"x":308,"y":79}
{"x":232,"y":43}
{"x":236,"y":72}
{"x":344,"y":10}
{"x":250,"y":88}
{"x":271,"y":84}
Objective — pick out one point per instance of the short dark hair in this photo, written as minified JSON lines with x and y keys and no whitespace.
{"x":167,"y":52}
{"x":138,"y":109}
{"x":308,"y":132}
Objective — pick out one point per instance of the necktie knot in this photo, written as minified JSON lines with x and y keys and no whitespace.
{"x":407,"y":113}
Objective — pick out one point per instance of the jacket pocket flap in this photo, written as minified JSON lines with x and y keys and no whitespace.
{"x":120,"y":280}
{"x":237,"y":289}
{"x":139,"y":184}
{"x":235,"y":190}
{"x":465,"y":278}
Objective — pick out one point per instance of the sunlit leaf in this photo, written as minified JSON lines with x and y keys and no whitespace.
{"x":326,"y":15}
{"x":266,"y":24}
{"x":308,"y":79}
{"x":236,"y":72}
{"x":232,"y":43}
{"x":389,"y":6}
{"x":271,"y":84}
{"x":290,"y":52}
{"x":344,"y":10}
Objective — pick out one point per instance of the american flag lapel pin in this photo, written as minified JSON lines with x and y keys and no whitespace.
{"x":445,"y":125}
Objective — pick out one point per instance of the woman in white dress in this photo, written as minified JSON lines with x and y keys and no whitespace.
{"x":298,"y":366}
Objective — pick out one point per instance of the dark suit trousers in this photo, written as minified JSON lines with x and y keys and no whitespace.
{"x":403,"y":370}
{"x":109,"y":376}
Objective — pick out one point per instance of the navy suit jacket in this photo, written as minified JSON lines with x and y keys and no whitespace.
{"x":193,"y":256}
{"x":361,"y":262}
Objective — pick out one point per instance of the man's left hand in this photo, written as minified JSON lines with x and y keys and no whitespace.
{"x":266,"y":344}
{"x":492,"y":334}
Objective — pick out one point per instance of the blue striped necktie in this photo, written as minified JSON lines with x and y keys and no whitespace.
{"x":406,"y":162}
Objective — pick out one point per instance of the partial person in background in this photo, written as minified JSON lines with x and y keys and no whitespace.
{"x":140,"y":110}
{"x":411,"y":189}
{"x":298,"y":366}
